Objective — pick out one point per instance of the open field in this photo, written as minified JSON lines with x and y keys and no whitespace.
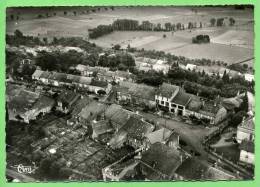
{"x":228,"y":44}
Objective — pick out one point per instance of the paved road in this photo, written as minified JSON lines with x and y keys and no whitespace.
{"x":191,"y":134}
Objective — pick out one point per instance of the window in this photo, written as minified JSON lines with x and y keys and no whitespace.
{"x":157,"y":100}
{"x":180,"y":107}
{"x":162,"y":102}
{"x":173,"y":105}
{"x":173,"y":110}
{"x":167,"y":103}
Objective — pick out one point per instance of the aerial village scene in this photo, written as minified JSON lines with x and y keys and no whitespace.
{"x":130,"y":93}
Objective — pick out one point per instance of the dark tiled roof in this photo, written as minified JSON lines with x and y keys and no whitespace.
{"x":101,"y":127}
{"x":98,"y":83}
{"x":248,"y":146}
{"x":194,"y":105}
{"x":43,"y":102}
{"x":143,"y":91}
{"x":166,"y":90}
{"x":161,"y":158}
{"x":68,"y":97}
{"x":192,"y":169}
{"x":137,"y":128}
{"x":181,"y":98}
{"x":210,"y":109}
{"x":45,"y":74}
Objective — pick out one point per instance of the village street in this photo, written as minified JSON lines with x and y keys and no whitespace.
{"x":191,"y":134}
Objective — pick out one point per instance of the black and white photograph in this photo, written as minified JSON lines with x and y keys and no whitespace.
{"x":130,"y":93}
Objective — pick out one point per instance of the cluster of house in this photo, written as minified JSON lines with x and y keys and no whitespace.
{"x":172,"y":99}
{"x":157,"y":156}
{"x":103,"y":73}
{"x":217,"y":70}
{"x":246,"y":137}
{"x":25,"y":105}
{"x":63,"y":79}
{"x":147,"y":64}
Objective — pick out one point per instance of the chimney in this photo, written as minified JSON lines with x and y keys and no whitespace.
{"x":215,"y":103}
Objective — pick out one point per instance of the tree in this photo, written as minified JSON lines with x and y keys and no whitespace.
{"x":12,"y":17}
{"x":117,"y":47}
{"x":40,"y":16}
{"x":244,"y":104}
{"x":45,"y":165}
{"x":54,"y":170}
{"x":18,"y":33}
{"x":164,"y":35}
{"x":225,"y":77}
{"x":245,"y":66}
{"x":220,"y":22}
{"x":178,"y":26}
{"x":237,"y":118}
{"x":168,"y":26}
{"x":45,"y":40}
{"x":65,"y":13}
{"x":75,"y":13}
{"x":65,"y":173}
{"x":200,"y":25}
{"x":231,"y":21}
{"x":212,"y":22}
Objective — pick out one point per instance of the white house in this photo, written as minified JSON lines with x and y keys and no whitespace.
{"x":246,"y":130}
{"x":249,"y":77}
{"x":191,"y":67}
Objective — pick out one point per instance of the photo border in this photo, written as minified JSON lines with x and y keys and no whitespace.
{"x":17,"y":3}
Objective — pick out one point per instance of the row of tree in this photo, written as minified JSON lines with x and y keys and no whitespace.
{"x":197,"y":82}
{"x":100,"y":31}
{"x":120,"y":61}
{"x":219,"y":22}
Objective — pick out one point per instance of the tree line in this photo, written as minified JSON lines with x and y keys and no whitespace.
{"x":134,"y":25}
{"x":197,"y":83}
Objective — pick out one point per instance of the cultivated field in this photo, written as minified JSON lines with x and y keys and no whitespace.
{"x":228,"y":44}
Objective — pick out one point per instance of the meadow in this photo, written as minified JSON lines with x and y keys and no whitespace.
{"x":228,"y":44}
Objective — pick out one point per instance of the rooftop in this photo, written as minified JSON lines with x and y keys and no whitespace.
{"x":137,"y":128}
{"x":160,"y":135}
{"x":68,"y":96}
{"x":117,"y":114}
{"x":161,"y":158}
{"x":248,"y":123}
{"x":181,"y":98}
{"x":248,"y":146}
{"x":92,"y":109}
{"x":194,"y":169}
{"x":98,"y":83}
{"x":143,"y":91}
{"x":43,"y":102}
{"x":167,"y":90}
{"x":37,"y":73}
{"x":101,"y":127}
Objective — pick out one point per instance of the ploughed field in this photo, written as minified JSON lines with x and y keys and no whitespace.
{"x":228,"y":44}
